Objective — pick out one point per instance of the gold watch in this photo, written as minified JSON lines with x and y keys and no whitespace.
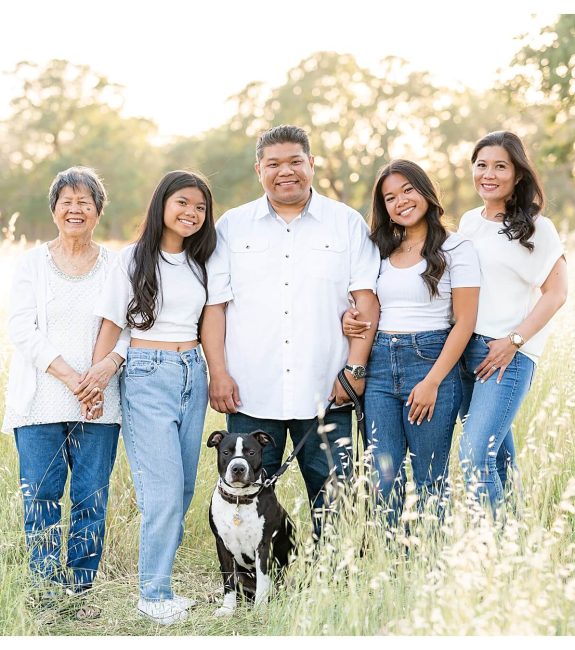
{"x":516,"y":339}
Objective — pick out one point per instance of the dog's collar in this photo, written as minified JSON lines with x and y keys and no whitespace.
{"x":238,"y":499}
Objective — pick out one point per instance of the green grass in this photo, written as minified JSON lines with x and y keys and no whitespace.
{"x":465,"y":577}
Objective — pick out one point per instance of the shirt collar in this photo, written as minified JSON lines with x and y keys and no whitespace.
{"x":312,"y":208}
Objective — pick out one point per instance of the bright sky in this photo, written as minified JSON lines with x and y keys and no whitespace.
{"x":179,"y":60}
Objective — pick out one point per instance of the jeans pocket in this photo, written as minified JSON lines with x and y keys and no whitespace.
{"x":483,"y":340}
{"x":429,"y":351}
{"x":141,"y":368}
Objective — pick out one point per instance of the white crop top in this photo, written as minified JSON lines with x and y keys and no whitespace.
{"x":181,"y":298}
{"x":511,"y":275}
{"x":406,"y":304}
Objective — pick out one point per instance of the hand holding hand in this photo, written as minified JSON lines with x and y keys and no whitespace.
{"x":94,"y":381}
{"x":92,"y":410}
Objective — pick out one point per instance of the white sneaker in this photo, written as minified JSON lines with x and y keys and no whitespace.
{"x":185,"y":602}
{"x":164,"y":612}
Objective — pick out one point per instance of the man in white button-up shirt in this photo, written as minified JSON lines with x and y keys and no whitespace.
{"x":291,"y":258}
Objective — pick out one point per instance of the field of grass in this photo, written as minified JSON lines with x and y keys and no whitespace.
{"x":465,"y":577}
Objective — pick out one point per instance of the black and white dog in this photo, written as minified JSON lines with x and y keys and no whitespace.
{"x":253,"y":532}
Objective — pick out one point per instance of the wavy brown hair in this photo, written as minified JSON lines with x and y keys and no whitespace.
{"x":527,"y":200}
{"x":198,"y":247}
{"x":388,"y":235}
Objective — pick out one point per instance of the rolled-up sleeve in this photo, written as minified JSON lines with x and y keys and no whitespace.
{"x":218,"y":268}
{"x":364,"y":255}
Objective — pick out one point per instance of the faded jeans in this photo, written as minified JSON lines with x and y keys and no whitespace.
{"x":164,"y":400}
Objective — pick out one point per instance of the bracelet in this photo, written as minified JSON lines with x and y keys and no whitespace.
{"x":115,"y":362}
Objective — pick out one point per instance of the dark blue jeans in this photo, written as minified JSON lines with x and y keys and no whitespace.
{"x":396,"y":364}
{"x":46,"y":452}
{"x":314,"y":462}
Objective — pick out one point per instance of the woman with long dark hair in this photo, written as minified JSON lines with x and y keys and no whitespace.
{"x":429,"y":279}
{"x":523,"y":284}
{"x":158,"y":290}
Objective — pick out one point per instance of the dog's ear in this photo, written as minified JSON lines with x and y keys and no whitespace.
{"x":263,"y":438}
{"x":215,"y":438}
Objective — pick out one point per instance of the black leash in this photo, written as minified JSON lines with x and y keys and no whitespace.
{"x":360,"y":415}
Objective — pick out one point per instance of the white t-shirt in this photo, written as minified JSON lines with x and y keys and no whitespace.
{"x":406,"y":304}
{"x":289,"y":282}
{"x":181,"y":298}
{"x":511,"y":275}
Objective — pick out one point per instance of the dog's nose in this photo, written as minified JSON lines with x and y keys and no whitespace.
{"x":238,"y":469}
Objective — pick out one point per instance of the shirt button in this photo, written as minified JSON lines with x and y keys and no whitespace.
{"x":288,"y":230}
{"x":285,"y":312}
{"x":287,"y":255}
{"x":394,"y":340}
{"x":247,"y":245}
{"x":287,"y":341}
{"x":286,"y":284}
{"x":327,"y":245}
{"x":287,"y":369}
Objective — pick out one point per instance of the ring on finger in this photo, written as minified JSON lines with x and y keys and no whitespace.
{"x":493,"y":367}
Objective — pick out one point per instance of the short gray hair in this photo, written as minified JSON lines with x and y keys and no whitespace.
{"x":74,"y":177}
{"x":279,"y":135}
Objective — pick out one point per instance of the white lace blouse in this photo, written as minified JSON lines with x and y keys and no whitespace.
{"x":71,"y":329}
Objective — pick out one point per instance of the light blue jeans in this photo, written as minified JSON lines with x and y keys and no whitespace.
{"x":487,"y":412}
{"x":164,"y":400}
{"x":396,"y":364}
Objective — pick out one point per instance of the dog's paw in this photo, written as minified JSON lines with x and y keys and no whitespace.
{"x":261,"y":601}
{"x":224,"y":611}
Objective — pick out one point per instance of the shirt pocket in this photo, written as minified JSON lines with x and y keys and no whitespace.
{"x":328,"y":260}
{"x":249,"y":257}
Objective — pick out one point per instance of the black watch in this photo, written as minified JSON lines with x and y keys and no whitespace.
{"x":357,"y":372}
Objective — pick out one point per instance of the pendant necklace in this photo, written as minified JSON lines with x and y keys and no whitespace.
{"x":414,"y":244}
{"x":236,"y":519}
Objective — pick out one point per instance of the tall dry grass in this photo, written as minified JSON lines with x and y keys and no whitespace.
{"x":463,"y":576}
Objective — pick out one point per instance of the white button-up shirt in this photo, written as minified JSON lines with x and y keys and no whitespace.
{"x":290,"y":282}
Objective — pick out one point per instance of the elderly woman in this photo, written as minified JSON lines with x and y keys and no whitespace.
{"x":53,"y":328}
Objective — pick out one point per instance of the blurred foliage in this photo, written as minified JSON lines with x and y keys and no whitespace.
{"x":358,"y":119}
{"x":69,"y":115}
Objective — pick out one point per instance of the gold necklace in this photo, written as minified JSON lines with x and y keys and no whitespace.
{"x":412,"y":245}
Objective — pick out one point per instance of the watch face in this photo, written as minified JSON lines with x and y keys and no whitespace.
{"x":359,"y":372}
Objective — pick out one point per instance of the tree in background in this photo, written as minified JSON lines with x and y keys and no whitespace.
{"x":358,"y":119}
{"x":69,"y":115}
{"x":543,"y":89}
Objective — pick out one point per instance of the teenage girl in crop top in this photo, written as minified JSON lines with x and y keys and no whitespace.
{"x":428,"y":289}
{"x":158,"y":289}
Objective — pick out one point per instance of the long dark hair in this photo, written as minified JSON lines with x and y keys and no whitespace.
{"x":527,"y":200}
{"x":147,"y":251}
{"x":388,"y":235}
